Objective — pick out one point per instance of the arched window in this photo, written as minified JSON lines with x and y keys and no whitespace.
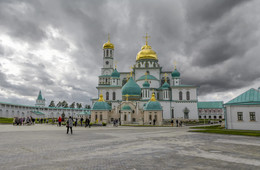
{"x":172,"y":113}
{"x":125,"y":118}
{"x":188,"y":95}
{"x":107,"y":53}
{"x":107,"y":95}
{"x":110,"y":53}
{"x":180,"y":95}
{"x":114,"y":95}
{"x":100,"y":117}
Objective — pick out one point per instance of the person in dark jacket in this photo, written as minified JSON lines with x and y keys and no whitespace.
{"x":69,"y":125}
{"x":87,"y":122}
{"x":81,"y":120}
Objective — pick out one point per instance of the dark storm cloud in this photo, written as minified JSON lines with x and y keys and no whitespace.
{"x":19,"y":24}
{"x":212,"y":38}
{"x":201,"y":11}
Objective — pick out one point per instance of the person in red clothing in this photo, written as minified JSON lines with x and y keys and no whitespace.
{"x":59,"y":121}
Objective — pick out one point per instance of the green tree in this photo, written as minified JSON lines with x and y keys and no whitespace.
{"x":64,"y":103}
{"x":72,"y":105}
{"x":79,"y":105}
{"x":52,"y":104}
{"x":59,"y":104}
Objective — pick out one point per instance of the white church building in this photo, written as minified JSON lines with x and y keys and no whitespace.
{"x":147,"y":77}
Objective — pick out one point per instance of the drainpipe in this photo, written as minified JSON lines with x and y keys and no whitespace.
{"x":225,"y":115}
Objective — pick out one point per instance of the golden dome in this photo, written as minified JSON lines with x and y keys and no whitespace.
{"x":108,"y":44}
{"x":146,"y":53}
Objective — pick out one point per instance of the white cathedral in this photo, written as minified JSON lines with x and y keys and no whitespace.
{"x":145,"y":94}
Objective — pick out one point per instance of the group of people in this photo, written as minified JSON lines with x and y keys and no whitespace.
{"x":23,"y":121}
{"x":70,"y":122}
{"x":178,"y":123}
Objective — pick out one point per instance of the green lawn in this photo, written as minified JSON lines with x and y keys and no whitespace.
{"x":220,"y":130}
{"x":6,"y":120}
{"x":208,"y":127}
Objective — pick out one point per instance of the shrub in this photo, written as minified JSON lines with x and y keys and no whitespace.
{"x":104,"y":124}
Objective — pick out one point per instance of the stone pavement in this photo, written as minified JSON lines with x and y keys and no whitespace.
{"x":49,"y":147}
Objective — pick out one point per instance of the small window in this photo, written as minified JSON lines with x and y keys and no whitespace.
{"x":220,"y":117}
{"x":252,"y":116}
{"x":125,"y":118}
{"x":107,"y":95}
{"x":209,"y":117}
{"x":199,"y":117}
{"x":133,"y":119}
{"x":100,"y":116}
{"x":180,"y":95}
{"x":114,"y":95}
{"x":215,"y":117}
{"x":150,"y":117}
{"x":240,"y":116}
{"x":188,"y":95}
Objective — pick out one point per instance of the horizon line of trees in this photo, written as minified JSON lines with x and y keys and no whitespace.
{"x":65,"y":104}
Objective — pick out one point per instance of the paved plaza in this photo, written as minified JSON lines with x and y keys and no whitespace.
{"x":49,"y":147}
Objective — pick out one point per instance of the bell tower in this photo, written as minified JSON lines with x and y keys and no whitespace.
{"x":108,"y":57}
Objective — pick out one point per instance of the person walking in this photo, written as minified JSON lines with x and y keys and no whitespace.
{"x":69,"y":125}
{"x":87,"y":122}
{"x":172,"y":122}
{"x":177,"y":123}
{"x":81,"y":120}
{"x":59,"y":121}
{"x":76,"y":122}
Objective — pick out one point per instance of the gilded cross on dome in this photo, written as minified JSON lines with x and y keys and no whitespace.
{"x":165,"y":77}
{"x":108,"y":37}
{"x":174,"y":63}
{"x":146,"y":39}
{"x":131,"y":73}
{"x":115,"y":63}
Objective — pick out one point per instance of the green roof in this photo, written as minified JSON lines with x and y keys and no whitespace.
{"x":101,"y":85}
{"x":131,"y":88}
{"x":146,"y":84}
{"x":153,"y":105}
{"x":105,"y":76}
{"x":252,"y":96}
{"x":38,"y":113}
{"x":176,"y":73}
{"x":101,"y":106}
{"x":115,"y":73}
{"x":210,"y":105}
{"x":40,"y":96}
{"x":85,"y":113}
{"x":126,"y":107}
{"x":149,"y":77}
{"x":165,"y":85}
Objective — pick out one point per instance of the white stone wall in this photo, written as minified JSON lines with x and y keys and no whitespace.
{"x":153,"y":71}
{"x":180,"y":106}
{"x":246,"y":124}
{"x":153,"y":83}
{"x":118,"y":92}
{"x":8,"y":110}
{"x":211,"y":113}
{"x":192,"y":90}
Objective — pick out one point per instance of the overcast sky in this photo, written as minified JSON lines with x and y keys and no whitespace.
{"x":56,"y":45}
